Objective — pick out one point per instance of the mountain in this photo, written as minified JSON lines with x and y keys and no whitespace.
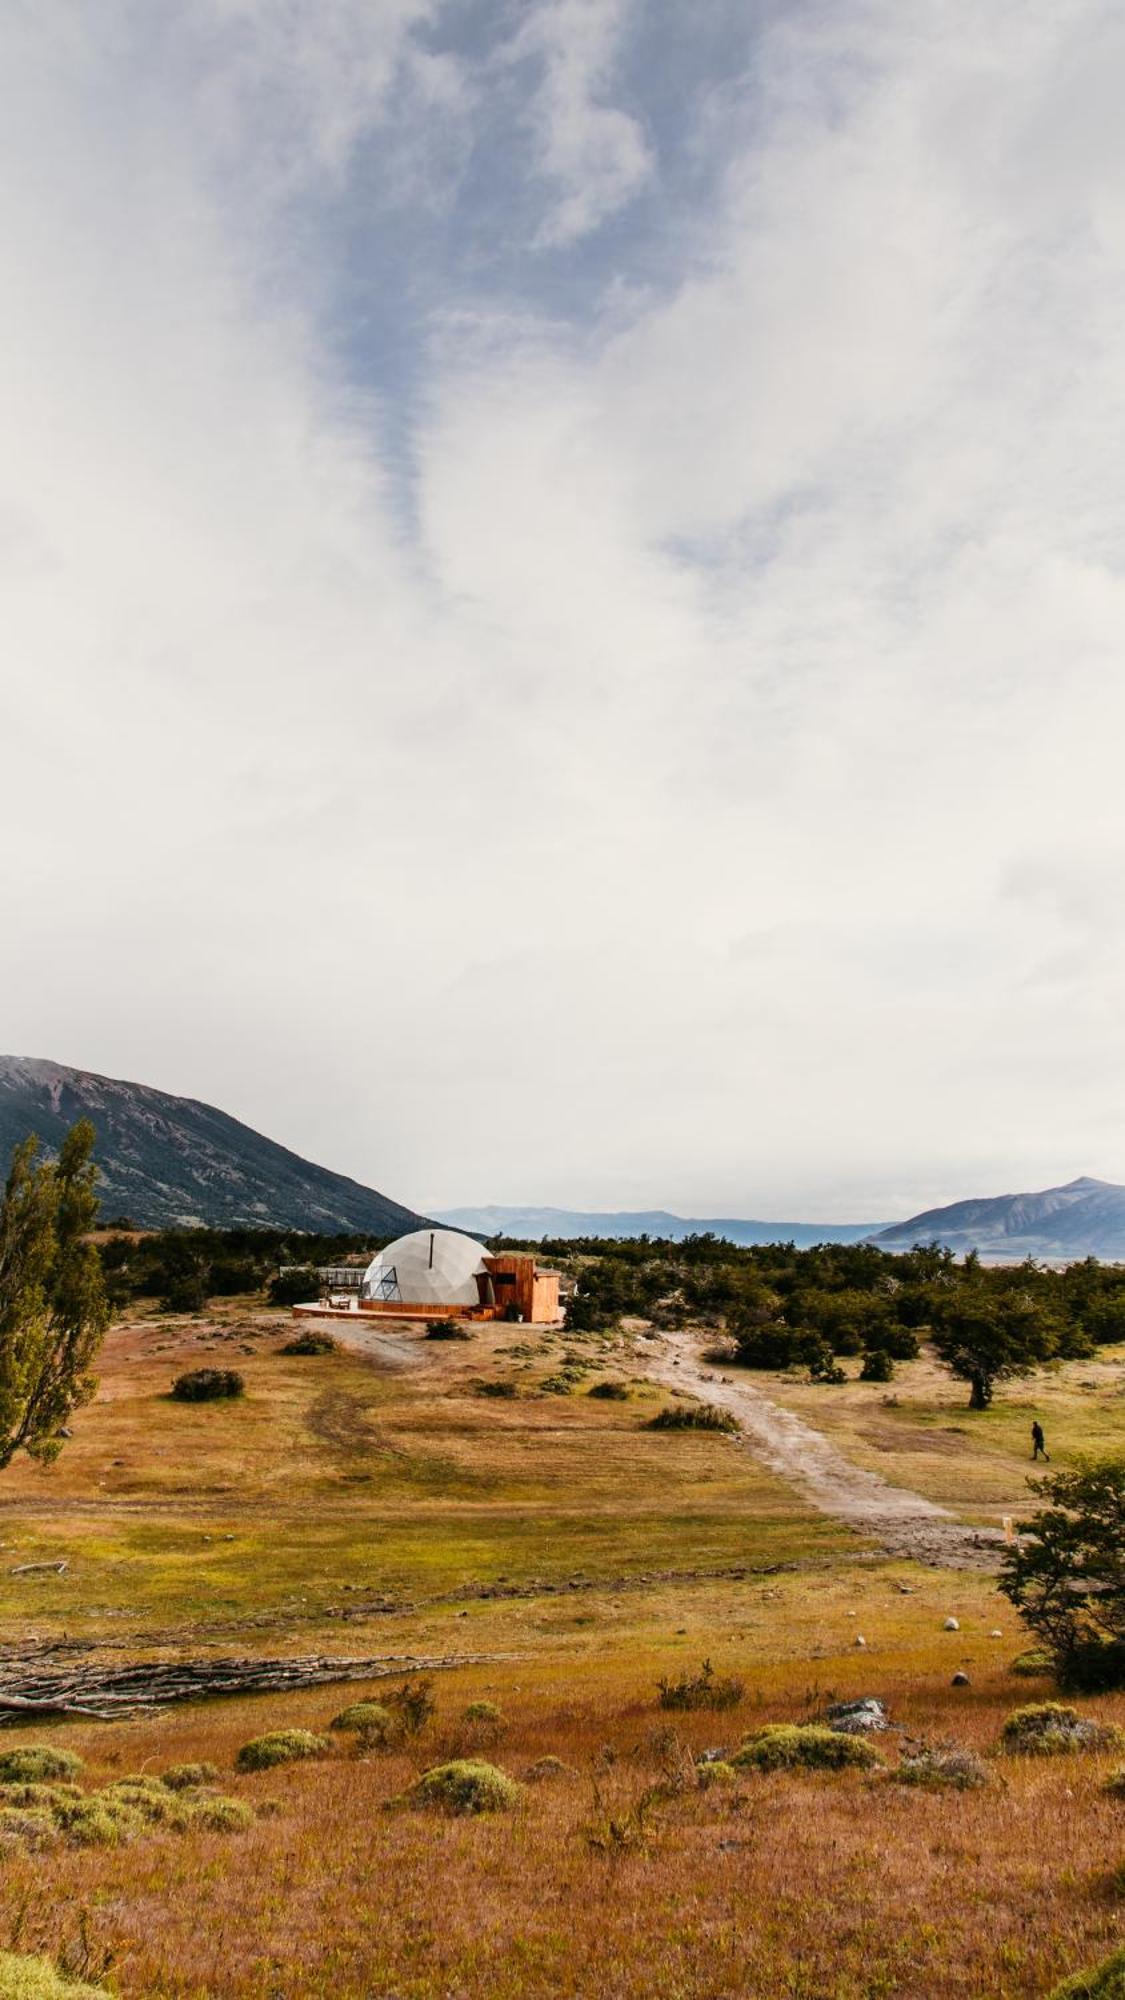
{"x":1086,"y":1218}
{"x":530,"y":1224}
{"x":172,"y":1162}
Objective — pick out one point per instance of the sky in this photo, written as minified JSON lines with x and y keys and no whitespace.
{"x":562,"y":586}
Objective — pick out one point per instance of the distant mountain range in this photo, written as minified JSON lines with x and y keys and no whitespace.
{"x":1086,"y":1218}
{"x":170,"y":1162}
{"x":530,"y":1224}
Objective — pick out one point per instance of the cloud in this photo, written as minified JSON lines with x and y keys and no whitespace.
{"x":461,"y":657}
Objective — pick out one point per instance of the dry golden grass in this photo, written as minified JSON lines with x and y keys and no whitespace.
{"x":590,"y":1556}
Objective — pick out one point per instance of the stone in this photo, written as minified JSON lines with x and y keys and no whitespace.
{"x":960,"y":1680}
{"x":996,"y":1633}
{"x":952,"y":1625}
{"x":860,"y":1640}
{"x":857,"y":1718}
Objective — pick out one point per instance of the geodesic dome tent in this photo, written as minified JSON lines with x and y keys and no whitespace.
{"x":430,"y":1267}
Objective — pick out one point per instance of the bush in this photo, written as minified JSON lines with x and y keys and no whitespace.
{"x":935,"y":1769}
{"x":462,"y":1787}
{"x":701,"y":1690}
{"x":373,"y":1721}
{"x":695,"y":1417}
{"x":448,"y":1329}
{"x":184,"y":1777}
{"x":413,"y":1704}
{"x":1048,"y":1729}
{"x":280,"y":1746}
{"x":789,"y":1746}
{"x":715,"y":1772}
{"x":1032,"y":1664}
{"x":494,"y":1388}
{"x":27,"y":1826}
{"x":218,"y":1814}
{"x":609,"y":1392}
{"x":562,"y":1384}
{"x":37,"y":1764}
{"x":545,"y":1769}
{"x":99,"y":1820}
{"x":294,"y":1288}
{"x":310,"y":1343}
{"x":207,"y":1385}
{"x":1102,"y":1982}
{"x":877,"y":1366}
{"x":36,"y":1979}
{"x":483,"y":1722}
{"x":1065,"y":1575}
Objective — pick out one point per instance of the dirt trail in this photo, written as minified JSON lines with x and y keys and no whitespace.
{"x":903,"y":1523}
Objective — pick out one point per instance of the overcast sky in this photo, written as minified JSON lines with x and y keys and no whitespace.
{"x":561,"y":567}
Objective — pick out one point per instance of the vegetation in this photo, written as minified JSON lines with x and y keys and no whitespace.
{"x":938,"y":1766}
{"x":1066,"y":1575}
{"x":695,"y":1417}
{"x":1049,"y":1729}
{"x":462,"y":1787}
{"x":1102,"y":1982}
{"x":807,"y":1746}
{"x":280,"y":1746}
{"x":311,"y":1343}
{"x":38,"y":1763}
{"x":53,"y":1306}
{"x":207,"y":1385}
{"x":448,"y":1329}
{"x":705,"y":1689}
{"x":23,"y":1978}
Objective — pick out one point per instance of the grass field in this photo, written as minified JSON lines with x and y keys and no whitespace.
{"x":365,"y":1505}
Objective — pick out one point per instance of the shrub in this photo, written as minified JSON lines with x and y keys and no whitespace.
{"x":1065,"y":1575}
{"x":36,"y":1979}
{"x":150,"y":1799}
{"x":280,"y":1746}
{"x":609,"y":1392}
{"x":1032,"y":1664}
{"x":294,"y":1288}
{"x":694,"y":1417}
{"x":934,"y":1768}
{"x":462,"y":1787}
{"x":1048,"y":1729}
{"x":45,"y":1796}
{"x":545,"y":1769}
{"x":877,"y":1366}
{"x":1102,"y":1982}
{"x":27,"y":1826}
{"x":99,"y":1820}
{"x":207,"y":1385}
{"x":448,"y":1329}
{"x":310,"y":1343}
{"x":788,"y":1746}
{"x":413,"y":1704}
{"x":494,"y":1388}
{"x":37,"y":1764}
{"x":701,"y":1690}
{"x":184,"y":1777}
{"x":483,"y":1723}
{"x":373,"y":1721}
{"x":715,"y":1772}
{"x":218,"y":1814}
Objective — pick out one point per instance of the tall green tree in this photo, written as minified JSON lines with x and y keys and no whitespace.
{"x":53,"y":1309}
{"x":1066,"y":1574}
{"x":983,"y":1334}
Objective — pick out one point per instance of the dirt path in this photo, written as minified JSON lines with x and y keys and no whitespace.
{"x":902,"y":1522}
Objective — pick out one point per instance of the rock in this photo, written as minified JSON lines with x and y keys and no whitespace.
{"x":996,"y":1633}
{"x":860,"y":1640}
{"x":952,"y":1625}
{"x":857,"y":1718}
{"x":960,"y":1680}
{"x":906,"y":1589}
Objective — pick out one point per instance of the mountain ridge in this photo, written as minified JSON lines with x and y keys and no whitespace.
{"x":176,"y":1162}
{"x":495,"y":1219}
{"x":1081,"y":1218}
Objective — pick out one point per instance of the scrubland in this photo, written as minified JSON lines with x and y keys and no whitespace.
{"x":362,"y":1505}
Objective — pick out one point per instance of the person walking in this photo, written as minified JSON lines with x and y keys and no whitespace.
{"x":1038,"y":1443}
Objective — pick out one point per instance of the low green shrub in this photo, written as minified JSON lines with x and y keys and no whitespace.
{"x":609,"y":1392}
{"x":99,"y":1820}
{"x":27,"y":1826}
{"x":695,"y":1417}
{"x":937,"y":1768}
{"x":507,"y":1389}
{"x":37,"y":1763}
{"x":462,"y":1787}
{"x":34,"y":1795}
{"x":716,"y":1772}
{"x":561,"y":1384}
{"x":377,"y":1725}
{"x":1032,"y":1664}
{"x":280,"y":1746}
{"x":482,"y":1723}
{"x":1101,"y":1982}
{"x":790,"y":1746}
{"x":184,"y":1777}
{"x":878,"y":1366}
{"x":24,"y":1978}
{"x":207,"y":1385}
{"x":448,"y":1329}
{"x":216,"y":1813}
{"x":1049,"y":1729}
{"x":544,"y":1769}
{"x":701,"y":1690}
{"x":311,"y":1343}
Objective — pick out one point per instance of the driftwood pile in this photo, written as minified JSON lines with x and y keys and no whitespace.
{"x":109,"y":1694}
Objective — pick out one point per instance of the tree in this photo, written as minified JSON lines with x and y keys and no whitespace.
{"x":1066,"y":1575}
{"x":983,"y":1334}
{"x":53,"y":1310}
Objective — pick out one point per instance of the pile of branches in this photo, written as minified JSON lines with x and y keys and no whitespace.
{"x":110,"y":1693}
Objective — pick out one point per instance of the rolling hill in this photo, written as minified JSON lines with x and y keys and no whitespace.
{"x":1086,"y":1218}
{"x":170,"y":1162}
{"x":532,"y":1224}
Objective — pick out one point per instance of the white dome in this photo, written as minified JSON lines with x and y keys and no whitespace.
{"x":430,"y":1267}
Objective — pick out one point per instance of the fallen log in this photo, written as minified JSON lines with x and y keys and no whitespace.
{"x":112,"y":1693}
{"x":35,"y":1569}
